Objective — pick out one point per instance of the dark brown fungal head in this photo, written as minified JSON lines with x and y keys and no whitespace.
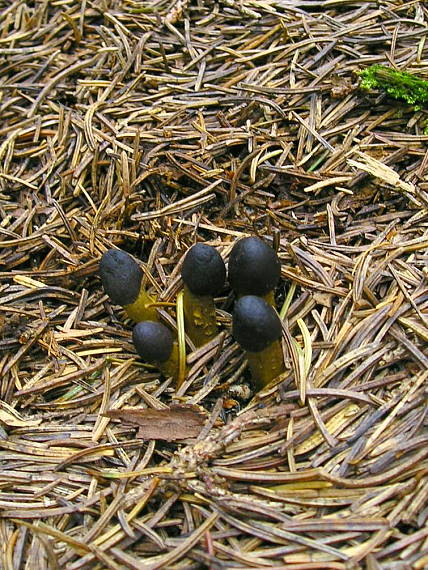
{"x":121,"y":276}
{"x":153,"y":341}
{"x":203,"y":270}
{"x":254,"y":267}
{"x":255,"y":324}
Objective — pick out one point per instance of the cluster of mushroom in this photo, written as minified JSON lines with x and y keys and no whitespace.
{"x":253,"y":273}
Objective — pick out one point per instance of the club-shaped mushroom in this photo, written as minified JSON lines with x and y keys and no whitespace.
{"x":257,"y":328}
{"x":203,"y":274}
{"x":122,"y":277}
{"x":254,"y":268}
{"x":155,"y":344}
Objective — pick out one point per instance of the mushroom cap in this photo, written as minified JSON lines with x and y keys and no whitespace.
{"x":121,"y":276}
{"x":203,"y":270}
{"x":254,"y":267}
{"x":255,"y":323}
{"x":153,"y":341}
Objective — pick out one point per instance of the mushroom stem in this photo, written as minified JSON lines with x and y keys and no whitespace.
{"x":142,"y":309}
{"x":266,"y":364}
{"x":269,"y":298}
{"x":171,"y":366}
{"x":200,"y":317}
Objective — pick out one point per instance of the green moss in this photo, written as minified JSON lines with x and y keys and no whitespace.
{"x":398,"y":84}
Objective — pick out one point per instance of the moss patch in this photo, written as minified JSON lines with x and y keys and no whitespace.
{"x":398,"y":84}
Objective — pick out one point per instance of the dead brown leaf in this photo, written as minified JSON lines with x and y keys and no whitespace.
{"x":170,"y":424}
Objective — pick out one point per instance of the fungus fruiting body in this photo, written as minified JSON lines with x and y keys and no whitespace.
{"x":122,"y":278}
{"x":257,"y":328}
{"x":254,"y":268}
{"x":203,"y":274}
{"x":155,"y":344}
